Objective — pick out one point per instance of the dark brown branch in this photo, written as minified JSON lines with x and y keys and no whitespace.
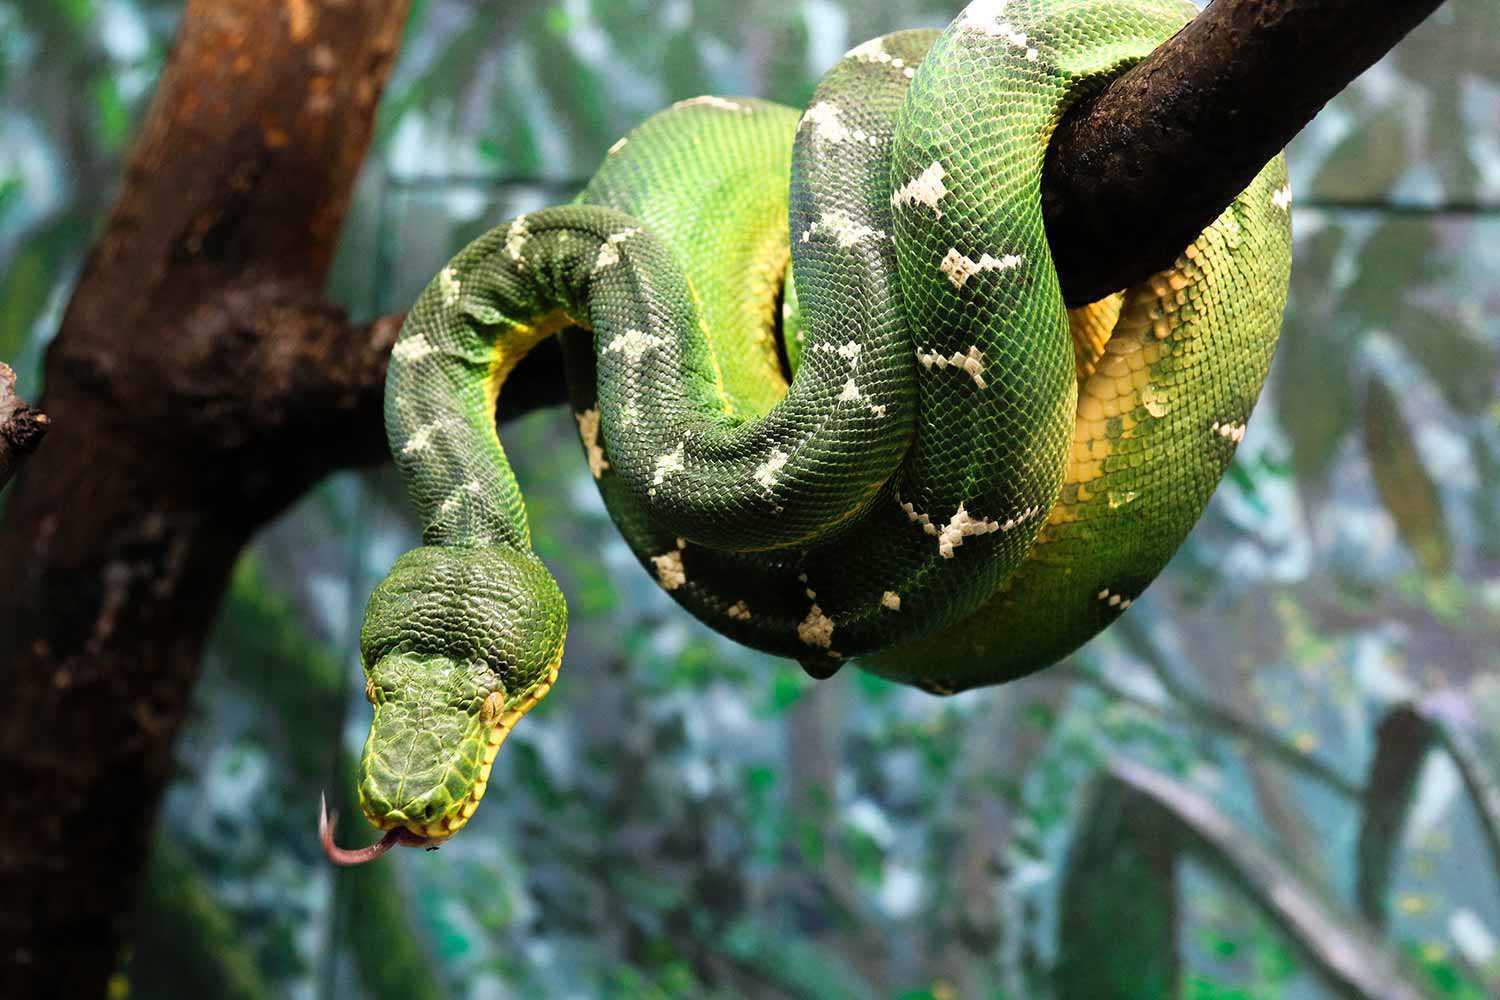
{"x":1133,"y":175}
{"x":198,"y":385}
{"x":22,"y":426}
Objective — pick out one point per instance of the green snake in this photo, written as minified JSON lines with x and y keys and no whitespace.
{"x":825,"y":379}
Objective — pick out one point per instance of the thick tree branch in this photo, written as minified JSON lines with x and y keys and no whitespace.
{"x":198,"y":385}
{"x":1134,"y":174}
{"x":22,"y":427}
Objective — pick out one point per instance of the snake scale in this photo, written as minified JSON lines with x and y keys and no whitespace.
{"x":826,"y":382}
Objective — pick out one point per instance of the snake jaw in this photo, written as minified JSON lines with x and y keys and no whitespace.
{"x":457,"y":645}
{"x":455,"y":747}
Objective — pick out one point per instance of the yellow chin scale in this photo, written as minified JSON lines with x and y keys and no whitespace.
{"x":446,"y":826}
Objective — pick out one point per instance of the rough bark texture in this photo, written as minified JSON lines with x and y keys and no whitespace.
{"x":200,"y":382}
{"x":22,"y":427}
{"x":1135,"y":173}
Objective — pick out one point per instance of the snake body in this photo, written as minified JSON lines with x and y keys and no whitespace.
{"x":961,"y":482}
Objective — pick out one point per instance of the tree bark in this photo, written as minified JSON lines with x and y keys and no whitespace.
{"x":200,"y":382}
{"x":22,"y":426}
{"x":1134,"y":174}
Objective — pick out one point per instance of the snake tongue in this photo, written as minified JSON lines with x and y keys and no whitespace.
{"x":357,"y":856}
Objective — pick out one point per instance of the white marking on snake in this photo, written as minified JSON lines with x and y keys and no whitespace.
{"x":972,"y":363}
{"x":516,"y":237}
{"x":960,"y":267}
{"x":410,"y":349}
{"x":609,"y":253}
{"x":766,"y":473}
{"x":619,"y":145}
{"x":456,"y":497}
{"x":449,"y":287}
{"x":588,"y":430}
{"x":890,"y":600}
{"x":984,"y":16}
{"x":871,"y":51}
{"x":845,"y":230}
{"x":669,"y":570}
{"x":666,"y":465}
{"x":960,"y":526}
{"x":816,"y":629}
{"x":633,"y":344}
{"x":710,"y":101}
{"x":848,"y":351}
{"x":422,"y":438}
{"x":1232,"y":431}
{"x":739,"y":611}
{"x":827,"y":124}
{"x":850,"y":393}
{"x":916,"y":518}
{"x":1020,"y":519}
{"x":1114,"y":600}
{"x":609,"y":256}
{"x":1282,"y":198}
{"x":927,"y":188}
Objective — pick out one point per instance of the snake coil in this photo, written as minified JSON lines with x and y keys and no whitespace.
{"x":960,"y":482}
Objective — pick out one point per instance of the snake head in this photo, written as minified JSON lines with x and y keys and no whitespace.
{"x":457,"y":645}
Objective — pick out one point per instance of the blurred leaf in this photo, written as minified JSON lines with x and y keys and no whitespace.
{"x":1405,"y":737}
{"x":1117,"y":930}
{"x":10,"y":193}
{"x":1404,"y":485}
{"x":1399,"y":257}
{"x":1117,"y":917}
{"x":1314,"y":395}
{"x":1368,"y":161}
{"x":799,"y":966}
{"x":577,"y":95}
{"x":113,"y":117}
{"x":186,"y":943}
{"x":28,"y":285}
{"x":1464,"y":366}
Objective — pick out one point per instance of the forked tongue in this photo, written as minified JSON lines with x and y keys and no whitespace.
{"x":359,"y":855}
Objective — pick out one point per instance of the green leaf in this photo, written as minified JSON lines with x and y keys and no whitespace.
{"x":1368,"y":161}
{"x":1404,"y":485}
{"x":1450,"y":348}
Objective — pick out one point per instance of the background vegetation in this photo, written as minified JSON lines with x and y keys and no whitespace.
{"x":685,"y":818}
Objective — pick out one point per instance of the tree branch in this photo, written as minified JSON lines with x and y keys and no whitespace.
{"x":1134,"y":174}
{"x":22,"y":427}
{"x":199,"y":384}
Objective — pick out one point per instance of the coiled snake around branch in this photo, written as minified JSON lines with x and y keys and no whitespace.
{"x":962,"y":482}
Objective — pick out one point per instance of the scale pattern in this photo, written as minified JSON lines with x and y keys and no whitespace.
{"x":825,"y":380}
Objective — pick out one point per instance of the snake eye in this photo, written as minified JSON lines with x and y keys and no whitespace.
{"x":370,"y":690}
{"x":492,"y":707}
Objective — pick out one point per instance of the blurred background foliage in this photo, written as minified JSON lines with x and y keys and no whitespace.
{"x":1286,"y":749}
